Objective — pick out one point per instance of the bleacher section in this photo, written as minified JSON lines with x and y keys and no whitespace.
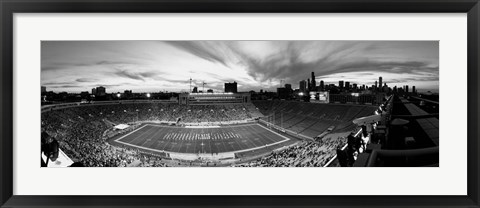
{"x":311,"y":119}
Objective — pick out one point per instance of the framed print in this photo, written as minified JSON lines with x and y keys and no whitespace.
{"x":247,"y":104}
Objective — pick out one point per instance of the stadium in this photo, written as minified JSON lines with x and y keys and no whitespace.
{"x":201,"y":129}
{"x":239,"y":104}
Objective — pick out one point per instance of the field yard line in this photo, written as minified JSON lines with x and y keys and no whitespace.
{"x":194,"y":143}
{"x":259,"y":147}
{"x":236,"y":142}
{"x":144,"y":139}
{"x":153,"y":138}
{"x":223,"y":144}
{"x":250,"y":141}
{"x":286,"y":138}
{"x":179,"y":143}
{"x":255,"y":148}
{"x":130,"y":133}
{"x":168,"y":140}
{"x":140,"y":147}
{"x":141,"y":135}
{"x":238,"y":137}
{"x":267,"y":137}
{"x":256,"y":143}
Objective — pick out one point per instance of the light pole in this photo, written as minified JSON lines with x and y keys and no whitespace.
{"x":137,"y":115}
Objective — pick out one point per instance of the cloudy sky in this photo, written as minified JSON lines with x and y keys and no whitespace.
{"x":152,"y":66}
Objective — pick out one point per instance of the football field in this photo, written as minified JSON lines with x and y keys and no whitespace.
{"x":238,"y":138}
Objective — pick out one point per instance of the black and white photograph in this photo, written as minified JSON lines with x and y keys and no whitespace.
{"x":235,"y":103}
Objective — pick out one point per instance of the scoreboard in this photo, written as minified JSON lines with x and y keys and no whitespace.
{"x":319,"y":97}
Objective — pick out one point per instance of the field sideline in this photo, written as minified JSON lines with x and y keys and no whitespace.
{"x":231,"y":139}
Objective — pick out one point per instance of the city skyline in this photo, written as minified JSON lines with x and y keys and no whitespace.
{"x":153,"y":66}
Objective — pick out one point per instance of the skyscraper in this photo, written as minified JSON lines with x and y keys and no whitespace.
{"x":309,"y":86}
{"x":44,"y":89}
{"x":314,"y":84}
{"x":413,"y":89}
{"x":101,"y":91}
{"x":322,"y":85}
{"x":406,"y":88}
{"x":231,"y":87}
{"x":128,"y":94}
{"x":288,"y":86}
{"x":303,"y":86}
{"x":347,"y":85}
{"x":380,"y":83}
{"x":340,"y":84}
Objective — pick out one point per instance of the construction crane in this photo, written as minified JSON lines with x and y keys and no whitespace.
{"x":190,"y":85}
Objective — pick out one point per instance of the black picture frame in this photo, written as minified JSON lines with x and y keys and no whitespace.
{"x":10,"y":7}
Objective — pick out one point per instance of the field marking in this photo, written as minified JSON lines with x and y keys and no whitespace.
{"x":274,"y":132}
{"x":140,"y":136}
{"x":152,"y":139}
{"x":249,"y":141}
{"x":267,"y":145}
{"x":272,"y":140}
{"x":116,"y":140}
{"x":238,"y":151}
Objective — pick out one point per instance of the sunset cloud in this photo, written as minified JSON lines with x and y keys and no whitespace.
{"x":168,"y":65}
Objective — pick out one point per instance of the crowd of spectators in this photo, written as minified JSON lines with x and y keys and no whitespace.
{"x":124,"y":113}
{"x":80,"y":134}
{"x":311,"y":119}
{"x":80,"y":137}
{"x":304,"y":154}
{"x":79,"y":130}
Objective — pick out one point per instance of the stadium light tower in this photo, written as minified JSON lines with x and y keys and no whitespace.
{"x":148,"y":95}
{"x":203,"y":87}
{"x":137,"y":114}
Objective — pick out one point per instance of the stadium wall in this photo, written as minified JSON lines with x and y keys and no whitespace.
{"x":201,"y":156}
{"x":214,"y":98}
{"x":46,"y":108}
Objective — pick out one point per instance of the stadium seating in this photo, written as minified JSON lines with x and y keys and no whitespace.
{"x":305,"y":154}
{"x":311,"y":119}
{"x":79,"y":129}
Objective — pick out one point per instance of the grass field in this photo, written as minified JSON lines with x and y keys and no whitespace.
{"x":238,"y":138}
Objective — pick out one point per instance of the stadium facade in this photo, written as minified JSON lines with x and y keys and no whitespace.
{"x":214,"y":98}
{"x":223,"y":129}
